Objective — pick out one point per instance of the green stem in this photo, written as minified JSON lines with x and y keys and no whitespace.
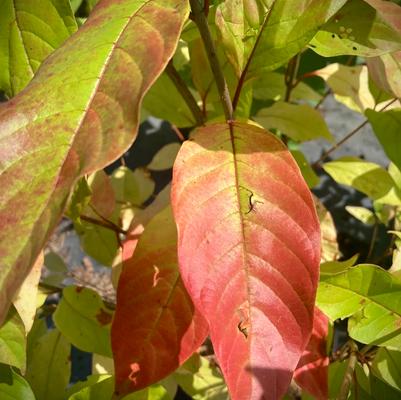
{"x":185,"y":92}
{"x":346,"y":383}
{"x":200,"y":20}
{"x":108,"y":225}
{"x":290,"y":75}
{"x":241,"y":80}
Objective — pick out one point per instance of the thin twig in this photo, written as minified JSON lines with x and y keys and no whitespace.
{"x":373,"y":239}
{"x":241,"y":80}
{"x":206,"y":7}
{"x":346,"y":383}
{"x":178,"y":133}
{"x":324,"y":97}
{"x":290,"y":75}
{"x":345,"y":138}
{"x":108,"y":225}
{"x":199,"y":18}
{"x":185,"y":92}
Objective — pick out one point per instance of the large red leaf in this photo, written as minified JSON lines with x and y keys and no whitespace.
{"x":156,"y":327}
{"x":249,"y":251}
{"x":313,"y":368}
{"x":79,"y":113}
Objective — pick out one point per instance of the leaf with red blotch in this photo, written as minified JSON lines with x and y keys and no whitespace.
{"x":313,"y":368}
{"x":156,"y":327}
{"x":249,"y":251}
{"x":78,"y":114}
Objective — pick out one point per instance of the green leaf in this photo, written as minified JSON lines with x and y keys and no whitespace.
{"x":387,"y":366}
{"x":386,"y":72}
{"x":165,"y":157}
{"x":13,"y":341}
{"x":387,"y":128}
{"x":101,"y":388}
{"x":98,"y":242}
{"x":299,"y":122}
{"x":337,"y":371}
{"x":132,"y":188}
{"x":307,"y":172}
{"x":381,"y":390}
{"x":271,"y":85}
{"x":48,"y":366}
{"x":84,"y":320}
{"x":336,"y":267}
{"x":367,"y":177}
{"x":29,"y":32}
{"x":24,"y":301}
{"x":201,"y":380}
{"x":357,"y":29}
{"x":165,"y":102}
{"x":328,"y":233}
{"x":350,"y":85}
{"x":90,"y":380}
{"x":78,"y":114}
{"x":372,"y":296}
{"x":75,"y":4}
{"x":258,"y":42}
{"x":362,"y":214}
{"x":79,"y":200}
{"x":56,"y":269}
{"x":13,"y":386}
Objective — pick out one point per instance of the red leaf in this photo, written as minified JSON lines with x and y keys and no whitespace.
{"x":248,"y":247}
{"x":156,"y":327}
{"x":313,"y":368}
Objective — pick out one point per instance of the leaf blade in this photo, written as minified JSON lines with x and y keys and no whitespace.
{"x":164,"y":321}
{"x":219,"y":202}
{"x":82,"y":126}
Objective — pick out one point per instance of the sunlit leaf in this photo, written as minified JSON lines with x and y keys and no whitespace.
{"x":48,"y":367}
{"x":299,"y":122}
{"x":367,"y":177}
{"x":362,"y":214}
{"x":24,"y":300}
{"x":312,"y":370}
{"x":258,"y":42}
{"x":78,"y":114}
{"x":89,"y":381}
{"x":372,"y":296}
{"x":13,"y":341}
{"x":156,"y":327}
{"x":336,"y":267}
{"x":357,"y":29}
{"x":329,"y":246}
{"x":387,"y":366}
{"x":233,"y":205}
{"x":131,"y":188}
{"x":350,"y":85}
{"x":84,"y":320}
{"x":13,"y":386}
{"x":200,"y":379}
{"x":29,"y":32}
{"x":98,"y":388}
